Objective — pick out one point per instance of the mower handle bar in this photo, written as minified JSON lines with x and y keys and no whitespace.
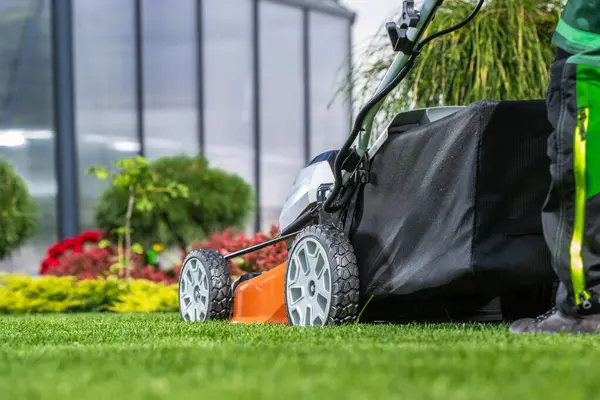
{"x":401,"y":60}
{"x":364,"y":121}
{"x":400,"y":67}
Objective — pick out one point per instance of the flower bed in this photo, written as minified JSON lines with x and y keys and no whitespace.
{"x":82,"y":257}
{"x":67,"y":247}
{"x":76,"y":276}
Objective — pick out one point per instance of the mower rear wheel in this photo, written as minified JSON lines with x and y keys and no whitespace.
{"x":205,"y":287}
{"x":321,"y":278}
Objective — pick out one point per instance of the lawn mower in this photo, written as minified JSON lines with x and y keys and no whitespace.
{"x":438,"y":220}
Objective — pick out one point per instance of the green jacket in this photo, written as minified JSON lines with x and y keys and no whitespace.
{"x":578,"y":31}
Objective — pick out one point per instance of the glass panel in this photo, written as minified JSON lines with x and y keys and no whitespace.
{"x":169,"y":69}
{"x":329,"y":51}
{"x":105,"y":113}
{"x":26,"y":117}
{"x":228,"y":87}
{"x":282,"y":103}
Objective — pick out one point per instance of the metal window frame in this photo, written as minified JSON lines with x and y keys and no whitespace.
{"x":256,"y":109}
{"x":65,"y":141}
{"x":139,"y":74}
{"x":307,"y":82}
{"x":200,"y":74}
{"x":319,"y":6}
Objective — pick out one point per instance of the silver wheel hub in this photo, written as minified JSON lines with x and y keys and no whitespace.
{"x":193,"y":291}
{"x":308,"y":284}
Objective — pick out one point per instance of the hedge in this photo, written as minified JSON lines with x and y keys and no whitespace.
{"x":216,"y":200}
{"x":51,"y":294}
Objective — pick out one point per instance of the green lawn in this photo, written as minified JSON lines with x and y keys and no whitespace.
{"x":160,"y":357}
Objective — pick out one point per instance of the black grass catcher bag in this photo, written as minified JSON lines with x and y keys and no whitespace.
{"x":449,"y":225}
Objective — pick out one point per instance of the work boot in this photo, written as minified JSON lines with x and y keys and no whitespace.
{"x":555,"y":321}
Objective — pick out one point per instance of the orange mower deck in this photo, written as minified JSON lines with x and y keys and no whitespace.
{"x":261,"y":300}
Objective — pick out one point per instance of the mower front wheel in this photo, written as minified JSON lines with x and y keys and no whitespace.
{"x":205,"y":287}
{"x":321,"y":278}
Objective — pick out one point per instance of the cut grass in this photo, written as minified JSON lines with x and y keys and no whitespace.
{"x":149,"y":356}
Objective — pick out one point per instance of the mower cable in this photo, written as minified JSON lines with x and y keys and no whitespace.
{"x":451,"y":29}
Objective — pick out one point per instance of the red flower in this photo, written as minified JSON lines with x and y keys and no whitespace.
{"x":60,"y":250}
{"x":50,"y":262}
{"x":91,"y":236}
{"x":56,"y":250}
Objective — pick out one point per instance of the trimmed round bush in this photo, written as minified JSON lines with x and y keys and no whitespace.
{"x":18,"y":211}
{"x":217,"y":200}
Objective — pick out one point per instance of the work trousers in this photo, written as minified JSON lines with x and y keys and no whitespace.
{"x":571,"y":214}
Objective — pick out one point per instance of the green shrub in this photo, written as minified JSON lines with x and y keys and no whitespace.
{"x":18,"y":211}
{"x":216,"y":200}
{"x":146,"y":296}
{"x":51,"y":294}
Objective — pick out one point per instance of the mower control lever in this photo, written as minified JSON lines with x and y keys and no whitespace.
{"x":398,"y":33}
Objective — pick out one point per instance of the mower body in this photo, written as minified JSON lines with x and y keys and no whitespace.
{"x":440,"y":219}
{"x":415,"y":217}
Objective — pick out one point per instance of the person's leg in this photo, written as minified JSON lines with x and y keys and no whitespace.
{"x":571,"y":214}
